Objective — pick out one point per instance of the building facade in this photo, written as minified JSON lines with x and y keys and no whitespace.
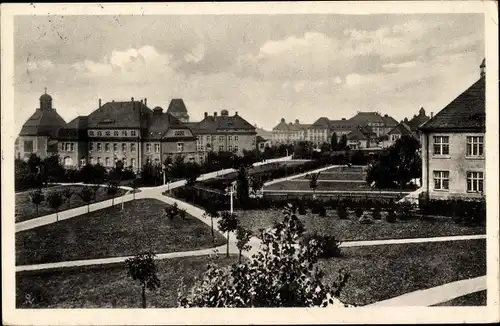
{"x":453,"y":152}
{"x":289,"y":133}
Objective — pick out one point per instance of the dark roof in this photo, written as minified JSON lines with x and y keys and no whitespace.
{"x":45,"y":98}
{"x":161,"y":123}
{"x":321,"y":123}
{"x":356,"y":134}
{"x":389,"y":121}
{"x":42,"y":122}
{"x":75,"y":129}
{"x":401,"y":129}
{"x":260,"y":139}
{"x":466,"y":112}
{"x":340,"y":124}
{"x":120,"y":115}
{"x":417,"y":121}
{"x":211,"y":124}
{"x":177,"y":106}
{"x":366,"y":117}
{"x":282,"y":126}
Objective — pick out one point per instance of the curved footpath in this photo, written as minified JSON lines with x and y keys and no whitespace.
{"x":426,"y":297}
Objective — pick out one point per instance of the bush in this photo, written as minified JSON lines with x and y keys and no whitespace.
{"x":301,"y":209}
{"x":358,"y":211}
{"x":329,"y":246}
{"x":321,"y":211}
{"x":404,"y":210}
{"x":342,"y":212}
{"x":376,"y":213}
{"x":391,"y":215}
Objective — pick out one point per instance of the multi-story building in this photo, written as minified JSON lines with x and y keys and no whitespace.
{"x":361,"y":138}
{"x":407,"y":128}
{"x":39,"y":133}
{"x":322,"y":129}
{"x":381,"y":125}
{"x":453,"y":153}
{"x":223,"y":133}
{"x":288,"y":133}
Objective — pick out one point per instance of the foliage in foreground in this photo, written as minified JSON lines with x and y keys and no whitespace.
{"x":282,"y":274}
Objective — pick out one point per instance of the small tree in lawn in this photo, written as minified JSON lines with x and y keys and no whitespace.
{"x":211,"y":212}
{"x":55,"y":200}
{"x":36,"y":197}
{"x":192,"y":172}
{"x":142,"y":268}
{"x":257,"y":183}
{"x":87,"y":194}
{"x":334,"y":141}
{"x":228,"y":223}
{"x":242,"y":239}
{"x":172,"y":211}
{"x":134,"y":184}
{"x":67,"y":193}
{"x":112,"y":191}
{"x":313,"y":182}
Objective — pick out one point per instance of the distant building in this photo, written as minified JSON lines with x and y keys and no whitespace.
{"x":453,"y":153}
{"x":178,"y":109}
{"x":39,"y":133}
{"x":381,"y":125}
{"x":262,"y":143}
{"x":288,"y":133}
{"x":407,"y":128}
{"x":361,"y":138}
{"x":322,"y":129}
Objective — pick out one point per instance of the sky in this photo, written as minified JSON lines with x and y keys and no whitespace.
{"x":266,"y":67}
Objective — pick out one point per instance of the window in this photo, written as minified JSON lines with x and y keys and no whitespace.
{"x":221,"y":138}
{"x":441,"y":180}
{"x":132,"y":147}
{"x":148,"y":148}
{"x":208,"y":138}
{"x":230,"y":148}
{"x":107,"y":161}
{"x":71,"y":147}
{"x":115,"y":160}
{"x":235,"y":148}
{"x":99,"y":147}
{"x":157,"y":148}
{"x":441,"y":145}
{"x":99,"y":133}
{"x":235,"y":138}
{"x":68,"y":161}
{"x":179,"y":133}
{"x":91,"y":132}
{"x":99,"y":160}
{"x":475,"y":181}
{"x":115,"y":133}
{"x":180,"y":147}
{"x":124,"y":147}
{"x":475,"y":145}
{"x":221,"y":148}
{"x":92,"y":160}
{"x":28,"y":146}
{"x":132,"y":162}
{"x":213,"y":138}
{"x":91,"y":146}
{"x":394,"y":137}
{"x":229,"y":138}
{"x":133,"y":133}
{"x":124,"y":160}
{"x":124,"y":133}
{"x":106,"y":147}
{"x":108,"y":133}
{"x":115,"y":147}
{"x":82,"y":161}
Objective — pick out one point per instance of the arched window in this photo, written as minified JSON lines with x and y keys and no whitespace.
{"x":68,"y":161}
{"x":82,"y":161}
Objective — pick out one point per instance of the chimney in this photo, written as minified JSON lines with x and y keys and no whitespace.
{"x":296,"y":121}
{"x":343,"y":119}
{"x":206,"y":114}
{"x":236,"y":113}
{"x":99,"y":103}
{"x":482,"y":68}
{"x":215,"y":113}
{"x":432,"y":115}
{"x":146,"y":102}
{"x":142,"y":102}
{"x":132,"y":99}
{"x":282,"y":119}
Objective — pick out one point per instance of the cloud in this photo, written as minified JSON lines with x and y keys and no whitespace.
{"x":39,"y":65}
{"x":196,"y":55}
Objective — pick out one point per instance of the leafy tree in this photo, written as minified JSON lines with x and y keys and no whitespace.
{"x":242,"y":187}
{"x":242,"y":239}
{"x":52,"y":169}
{"x":34,"y":163}
{"x":67,"y":193}
{"x":87,"y":194}
{"x":211,"y":212}
{"x":283,"y":273}
{"x":257,"y":183}
{"x":142,"y":268}
{"x":313,"y":182}
{"x":228,"y":223}
{"x":171,"y":211}
{"x":134,"y":184}
{"x":36,"y":197}
{"x":55,"y":200}
{"x":112,"y":190}
{"x":151,"y":174}
{"x":334,"y":141}
{"x":342,"y":143}
{"x":192,"y":172}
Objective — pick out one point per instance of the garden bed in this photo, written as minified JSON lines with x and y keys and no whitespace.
{"x":26,"y":210}
{"x":326,"y":186}
{"x":111,"y":232}
{"x":352,"y":230}
{"x":109,"y":286}
{"x":383,"y":272}
{"x":469,"y":300}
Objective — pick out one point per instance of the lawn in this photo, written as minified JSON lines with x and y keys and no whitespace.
{"x":338,"y":176}
{"x":303,"y":184}
{"x":382,"y":272}
{"x":473,"y":299}
{"x":26,"y":210}
{"x":111,"y":232}
{"x":109,"y":286}
{"x":350,"y":229}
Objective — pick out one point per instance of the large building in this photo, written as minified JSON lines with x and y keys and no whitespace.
{"x":380,"y":125}
{"x":453,"y":146}
{"x":131,"y":132}
{"x":407,"y":128}
{"x":287,"y":133}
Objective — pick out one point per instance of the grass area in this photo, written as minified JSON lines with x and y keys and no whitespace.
{"x":469,"y":300}
{"x":383,"y":272}
{"x":111,"y":232}
{"x":351,"y":229}
{"x":109,"y":286}
{"x":338,"y":176}
{"x":304,"y":185}
{"x":26,"y":210}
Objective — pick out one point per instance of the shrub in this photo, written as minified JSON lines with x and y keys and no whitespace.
{"x":404,"y":210}
{"x":301,"y":209}
{"x":376,"y":213}
{"x":321,"y":210}
{"x":329,"y":246}
{"x":342,"y":212}
{"x":391,"y":215}
{"x":358,"y":211}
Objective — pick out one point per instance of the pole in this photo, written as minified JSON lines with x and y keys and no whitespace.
{"x":123,"y":198}
{"x":231,"y":200}
{"x":164,"y":177}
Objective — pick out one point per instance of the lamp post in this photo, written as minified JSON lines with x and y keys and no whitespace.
{"x":166,"y":170}
{"x":230,"y":190}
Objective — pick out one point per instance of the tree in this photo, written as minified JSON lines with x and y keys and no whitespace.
{"x":313,"y":182}
{"x":191,"y":172}
{"x":342,"y":143}
{"x":211,"y":212}
{"x":257,"y":183}
{"x":142,"y":268}
{"x":228,"y":223}
{"x":283,"y":273}
{"x":87,"y":194}
{"x":36,"y":197}
{"x":171,"y":211}
{"x":67,"y":193}
{"x":334,"y":141}
{"x":52,"y":168}
{"x":55,"y":200}
{"x":242,"y":187}
{"x":134,"y":184}
{"x":242,"y":239}
{"x":112,"y":190}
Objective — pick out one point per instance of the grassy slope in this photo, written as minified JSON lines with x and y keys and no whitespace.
{"x":111,"y":232}
{"x":473,"y":299}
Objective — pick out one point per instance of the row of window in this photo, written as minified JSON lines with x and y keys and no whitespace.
{"x":115,"y":133}
{"x":67,"y":147}
{"x":124,"y":147}
{"x":221,"y":138}
{"x":475,"y":181}
{"x":475,"y":145}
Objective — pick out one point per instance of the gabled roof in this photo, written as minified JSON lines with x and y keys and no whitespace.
{"x":356,"y":134}
{"x":464,"y":113}
{"x":161,"y":123}
{"x":340,"y":124}
{"x":211,"y":124}
{"x":75,"y":129}
{"x":120,"y":115}
{"x":321,"y":123}
{"x":282,"y":126}
{"x":177,"y":106}
{"x":43,"y":122}
{"x":366,"y":117}
{"x":260,"y":139}
{"x":401,"y":129}
{"x":389,"y":121}
{"x":263,"y":133}
{"x":417,"y":121}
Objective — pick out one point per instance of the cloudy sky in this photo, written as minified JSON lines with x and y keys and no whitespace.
{"x":264,"y":66}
